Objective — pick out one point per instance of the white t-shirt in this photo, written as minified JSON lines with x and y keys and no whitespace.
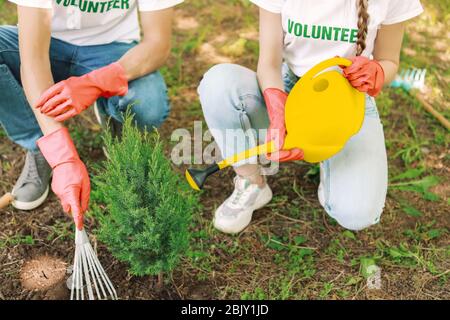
{"x":316,"y":30}
{"x":93,"y":22}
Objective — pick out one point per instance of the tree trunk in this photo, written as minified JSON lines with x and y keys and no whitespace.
{"x":160,"y":280}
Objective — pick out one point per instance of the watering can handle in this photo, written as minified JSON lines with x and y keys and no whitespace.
{"x":325,"y":65}
{"x":268,"y":147}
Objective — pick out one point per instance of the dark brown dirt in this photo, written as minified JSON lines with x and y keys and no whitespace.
{"x":229,"y":272}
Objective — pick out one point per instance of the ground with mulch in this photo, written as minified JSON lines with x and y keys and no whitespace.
{"x":292,"y":250}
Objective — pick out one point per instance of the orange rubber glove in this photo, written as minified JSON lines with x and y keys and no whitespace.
{"x":276,"y":102}
{"x":70,"y":178}
{"x":365,"y":75}
{"x":70,"y":97}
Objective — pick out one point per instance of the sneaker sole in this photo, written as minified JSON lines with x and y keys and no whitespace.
{"x":256,"y":207}
{"x":27,"y":206}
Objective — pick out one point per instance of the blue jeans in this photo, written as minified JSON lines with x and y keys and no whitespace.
{"x":147,"y":95}
{"x":353,"y":183}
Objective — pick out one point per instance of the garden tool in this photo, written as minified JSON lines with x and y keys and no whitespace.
{"x":413,"y":82}
{"x":88,"y":275}
{"x":9,"y":199}
{"x":323,"y":111}
{"x":6,"y":200}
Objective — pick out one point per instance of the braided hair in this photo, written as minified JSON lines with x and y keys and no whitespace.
{"x":363,"y":26}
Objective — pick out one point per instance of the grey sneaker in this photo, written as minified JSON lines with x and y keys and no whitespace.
{"x":235,"y":214}
{"x":32,"y":187}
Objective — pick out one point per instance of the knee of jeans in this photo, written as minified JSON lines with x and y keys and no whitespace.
{"x":148,"y":101}
{"x":218,"y":85}
{"x":356,"y":216}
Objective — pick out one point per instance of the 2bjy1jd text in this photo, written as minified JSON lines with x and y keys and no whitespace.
{"x":237,"y":310}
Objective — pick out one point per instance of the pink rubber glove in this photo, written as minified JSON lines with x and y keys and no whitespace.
{"x":70,"y":97}
{"x":70,"y":178}
{"x":276,"y":102}
{"x":365,"y":75}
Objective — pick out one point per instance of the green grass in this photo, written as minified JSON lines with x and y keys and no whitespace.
{"x":294,"y":250}
{"x":16,"y":240}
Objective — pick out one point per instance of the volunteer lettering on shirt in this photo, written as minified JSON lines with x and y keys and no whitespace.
{"x":96,"y":6}
{"x":322,"y":32}
{"x":317,"y":30}
{"x":97,"y":22}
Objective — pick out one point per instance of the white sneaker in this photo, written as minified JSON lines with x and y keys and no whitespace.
{"x":235,"y":214}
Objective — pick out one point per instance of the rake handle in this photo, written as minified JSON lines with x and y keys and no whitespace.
{"x":428,"y":107}
{"x":6,"y":200}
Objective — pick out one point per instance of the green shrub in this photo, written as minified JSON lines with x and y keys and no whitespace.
{"x":144,"y":208}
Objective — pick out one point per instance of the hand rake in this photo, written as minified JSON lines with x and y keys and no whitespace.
{"x":88,"y":274}
{"x":88,"y":280}
{"x":413,"y":82}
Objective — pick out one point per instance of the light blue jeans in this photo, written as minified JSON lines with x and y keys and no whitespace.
{"x":353,"y":183}
{"x":147,"y":95}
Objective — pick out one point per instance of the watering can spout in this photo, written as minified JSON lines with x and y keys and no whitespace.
{"x":196,"y":178}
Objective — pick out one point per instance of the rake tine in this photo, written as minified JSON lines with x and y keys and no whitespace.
{"x":405,"y":72}
{"x":415,"y":78}
{"x":102,"y":282}
{"x":409,"y":75}
{"x":418,"y":74}
{"x":108,"y":282}
{"x":93,"y":266}
{"x":423,"y":77}
{"x":413,"y":75}
{"x":424,"y":73}
{"x":409,"y":79}
{"x":105,"y":278}
{"x":402,"y":74}
{"x":80,"y":277}
{"x":418,"y":79}
{"x":93,"y":271}
{"x":73,"y":278}
{"x":86,"y":275}
{"x":78,"y":270}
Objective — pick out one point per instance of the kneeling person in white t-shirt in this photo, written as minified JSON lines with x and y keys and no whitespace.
{"x":294,"y":36}
{"x":65,"y":56}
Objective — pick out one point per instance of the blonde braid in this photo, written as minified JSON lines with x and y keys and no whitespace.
{"x":363,"y":26}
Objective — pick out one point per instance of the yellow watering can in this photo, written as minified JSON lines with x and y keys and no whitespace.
{"x":323,"y":111}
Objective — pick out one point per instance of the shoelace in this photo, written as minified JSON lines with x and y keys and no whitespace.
{"x":32,"y":171}
{"x":240,"y":195}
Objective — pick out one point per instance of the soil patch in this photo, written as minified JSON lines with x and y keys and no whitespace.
{"x":42,"y":273}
